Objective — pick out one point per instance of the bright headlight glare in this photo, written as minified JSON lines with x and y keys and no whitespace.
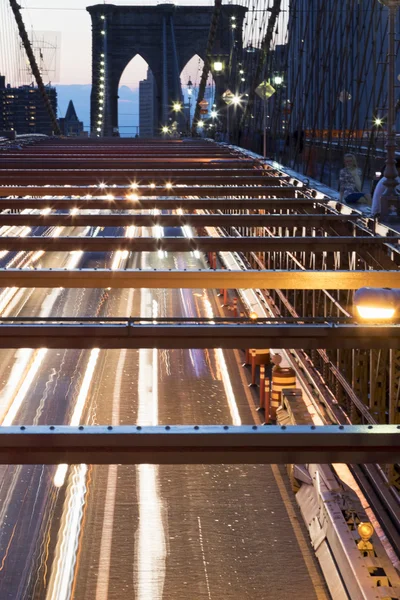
{"x":375,"y":312}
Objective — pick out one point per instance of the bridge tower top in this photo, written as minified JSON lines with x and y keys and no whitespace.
{"x":166,"y":36}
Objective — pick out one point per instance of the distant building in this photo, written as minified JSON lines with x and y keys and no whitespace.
{"x":147,"y":106}
{"x":70,"y":125}
{"x":22,"y":108}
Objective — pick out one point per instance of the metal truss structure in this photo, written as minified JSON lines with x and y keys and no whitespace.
{"x":306,"y":263}
{"x":179,"y":445}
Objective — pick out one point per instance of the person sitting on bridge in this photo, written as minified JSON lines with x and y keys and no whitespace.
{"x":350,"y":185}
{"x":380,"y":190}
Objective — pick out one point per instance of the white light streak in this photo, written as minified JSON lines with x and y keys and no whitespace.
{"x":23,"y":390}
{"x":61,"y":471}
{"x":219,"y":355}
{"x":150,"y":541}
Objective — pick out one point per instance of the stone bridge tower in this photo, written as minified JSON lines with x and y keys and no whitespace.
{"x":167,"y":37}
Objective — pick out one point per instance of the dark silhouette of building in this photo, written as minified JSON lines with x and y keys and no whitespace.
{"x":70,"y":125}
{"x":147,"y":106}
{"x":22,"y":108}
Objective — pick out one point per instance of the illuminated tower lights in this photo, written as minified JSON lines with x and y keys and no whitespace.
{"x":102,"y":81}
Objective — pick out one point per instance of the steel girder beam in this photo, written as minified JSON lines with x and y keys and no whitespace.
{"x":204,"y":190}
{"x":135,"y":335}
{"x":136,"y":167}
{"x":205,"y":244}
{"x":207,"y":279}
{"x":145,"y":220}
{"x":179,"y":445}
{"x":163,"y":203}
{"x":73,"y":178}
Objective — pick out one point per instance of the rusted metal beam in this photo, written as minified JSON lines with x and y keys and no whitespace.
{"x":132,"y":335}
{"x":199,"y":444}
{"x":205,"y":244}
{"x":193,"y":279}
{"x":204,"y":190}
{"x":162,"y":203}
{"x":210,"y":220}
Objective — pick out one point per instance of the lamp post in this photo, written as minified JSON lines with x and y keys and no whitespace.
{"x":189,"y":86}
{"x":390,"y":172}
{"x":265,"y":91}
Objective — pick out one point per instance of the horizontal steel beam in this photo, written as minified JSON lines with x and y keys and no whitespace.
{"x":77,"y":178}
{"x":146,"y":220}
{"x":205,"y":244}
{"x":204,"y":190}
{"x":137,"y":167}
{"x":162,"y":203}
{"x":207,"y":279}
{"x":197,"y":445}
{"x":133,"y":335}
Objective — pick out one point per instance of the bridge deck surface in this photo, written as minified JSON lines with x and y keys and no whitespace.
{"x":223,"y":532}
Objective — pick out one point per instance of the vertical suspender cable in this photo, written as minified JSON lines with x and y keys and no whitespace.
{"x":32,"y":61}
{"x":207,"y":62}
{"x":165,"y":75}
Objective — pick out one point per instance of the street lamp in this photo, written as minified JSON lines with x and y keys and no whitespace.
{"x":218,"y":66}
{"x":390,"y":173}
{"x":177,"y":106}
{"x":376,"y":304}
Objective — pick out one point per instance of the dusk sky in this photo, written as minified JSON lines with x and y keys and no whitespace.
{"x":72,"y":21}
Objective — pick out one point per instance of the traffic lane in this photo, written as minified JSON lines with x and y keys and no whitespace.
{"x":201,"y":543}
{"x":107,"y":545}
{"x":32,"y":489}
{"x":58,"y":377}
{"x":232,"y":530}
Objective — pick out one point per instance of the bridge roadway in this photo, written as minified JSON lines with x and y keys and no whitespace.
{"x":175,"y":533}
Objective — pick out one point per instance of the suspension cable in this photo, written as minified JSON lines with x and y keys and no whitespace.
{"x":33,"y":64}
{"x":207,"y":62}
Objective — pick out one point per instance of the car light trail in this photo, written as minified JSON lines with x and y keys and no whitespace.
{"x":76,"y":417}
{"x":150,"y":541}
{"x":23,"y":390}
{"x":67,"y":543}
{"x":9,"y":400}
{"x":103,"y":576}
{"x":61,"y":579}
